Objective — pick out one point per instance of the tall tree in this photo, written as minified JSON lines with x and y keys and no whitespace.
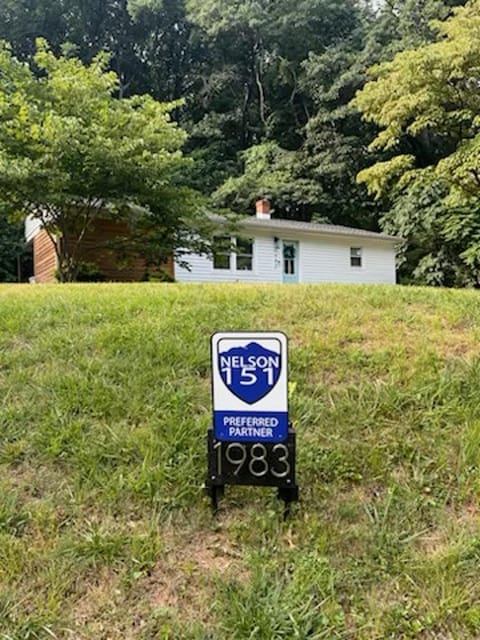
{"x":167,"y":47}
{"x":89,"y":26}
{"x":255,"y":94}
{"x":426,"y":103}
{"x":310,"y":58}
{"x":71,"y":152}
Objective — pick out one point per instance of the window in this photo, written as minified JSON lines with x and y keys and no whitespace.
{"x":244,"y":254}
{"x":233,"y":254}
{"x":355,"y":257}
{"x":222,"y":252}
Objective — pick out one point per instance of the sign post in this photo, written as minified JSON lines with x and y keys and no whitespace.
{"x":252,"y":441}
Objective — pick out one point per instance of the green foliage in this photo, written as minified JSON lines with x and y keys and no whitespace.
{"x":404,"y":24}
{"x":89,"y":272}
{"x":11,"y":248}
{"x":83,"y":28}
{"x":293,"y":154}
{"x":71,"y":152}
{"x":171,"y":58}
{"x":253,"y":92}
{"x":381,"y":176}
{"x":427,"y":95}
{"x":426,"y":105}
{"x":271,"y":82}
{"x":441,"y":242}
{"x":270,"y":170}
{"x":315,"y":141}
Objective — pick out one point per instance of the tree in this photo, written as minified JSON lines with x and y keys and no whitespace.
{"x":426,"y":103}
{"x":164,"y":42}
{"x":267,"y":90}
{"x":71,"y":152}
{"x":274,"y":172}
{"x":334,"y":149}
{"x":443,"y":241}
{"x":258,"y":105}
{"x":11,"y":249}
{"x":403,"y":24}
{"x":336,"y":138}
{"x":86,"y":27}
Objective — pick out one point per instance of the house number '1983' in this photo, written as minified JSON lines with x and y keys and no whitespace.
{"x":257,"y":459}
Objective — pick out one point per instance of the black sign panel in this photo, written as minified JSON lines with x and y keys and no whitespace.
{"x":263,"y":464}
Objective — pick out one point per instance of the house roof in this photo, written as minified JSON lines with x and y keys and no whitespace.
{"x":278,"y":225}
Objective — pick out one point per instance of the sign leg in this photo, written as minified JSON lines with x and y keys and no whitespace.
{"x":215,"y":493}
{"x":288,"y":496}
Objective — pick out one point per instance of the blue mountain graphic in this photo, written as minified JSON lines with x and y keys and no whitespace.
{"x":253,"y":383}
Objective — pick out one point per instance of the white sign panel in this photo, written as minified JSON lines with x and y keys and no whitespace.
{"x":250,"y":386}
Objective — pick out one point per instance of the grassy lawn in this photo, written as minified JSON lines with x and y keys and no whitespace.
{"x":104,"y":406}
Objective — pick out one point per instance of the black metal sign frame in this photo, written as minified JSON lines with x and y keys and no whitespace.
{"x":265,"y":464}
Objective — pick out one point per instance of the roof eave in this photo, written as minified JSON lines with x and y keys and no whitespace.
{"x":373,"y":236}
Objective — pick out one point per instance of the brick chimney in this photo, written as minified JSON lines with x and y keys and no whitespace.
{"x":264,"y":209}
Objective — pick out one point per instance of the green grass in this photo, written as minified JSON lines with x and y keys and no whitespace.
{"x":104,"y":406}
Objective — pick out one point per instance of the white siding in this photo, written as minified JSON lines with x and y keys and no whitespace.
{"x":264,"y":266}
{"x":328,"y":260}
{"x":322,"y":258}
{"x":32,"y":226}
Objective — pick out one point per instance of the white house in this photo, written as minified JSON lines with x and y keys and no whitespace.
{"x":271,"y":250}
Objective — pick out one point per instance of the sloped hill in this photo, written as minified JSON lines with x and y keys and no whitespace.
{"x":104,"y":406}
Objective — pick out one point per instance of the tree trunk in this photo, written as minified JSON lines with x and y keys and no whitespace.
{"x":258,"y":75}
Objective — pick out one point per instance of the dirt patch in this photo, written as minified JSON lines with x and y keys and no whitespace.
{"x":434,"y":543}
{"x":460,"y":521}
{"x":184,"y":579}
{"x":102,"y":612}
{"x":459,"y":345}
{"x":467,"y":516}
{"x":180,"y":587}
{"x":20,"y":344}
{"x":96,"y":596}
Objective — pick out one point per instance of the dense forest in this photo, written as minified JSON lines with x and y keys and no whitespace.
{"x":266,"y":90}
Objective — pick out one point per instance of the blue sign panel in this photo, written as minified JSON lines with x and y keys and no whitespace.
{"x":250,"y":372}
{"x":250,"y":387}
{"x":241,"y":426}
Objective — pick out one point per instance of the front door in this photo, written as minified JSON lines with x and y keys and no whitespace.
{"x":290,"y":261}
